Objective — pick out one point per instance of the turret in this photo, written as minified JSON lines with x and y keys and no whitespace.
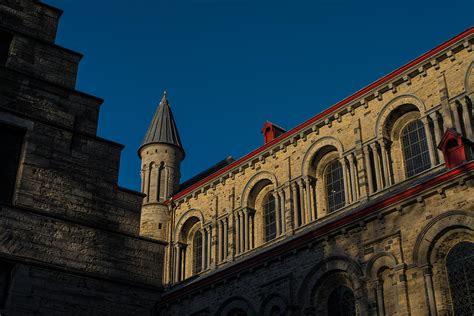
{"x":161,"y":154}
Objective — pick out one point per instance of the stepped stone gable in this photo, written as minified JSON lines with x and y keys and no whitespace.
{"x":69,"y":237}
{"x":353,"y":212}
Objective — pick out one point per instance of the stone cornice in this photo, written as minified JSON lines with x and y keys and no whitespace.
{"x":374,"y":90}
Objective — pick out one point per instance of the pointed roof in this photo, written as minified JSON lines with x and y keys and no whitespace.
{"x":163,"y":127}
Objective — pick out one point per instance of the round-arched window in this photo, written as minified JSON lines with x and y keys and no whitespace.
{"x":415,"y":148}
{"x":197,"y":252}
{"x":341,"y":302}
{"x":270,"y":216}
{"x":334,"y":186}
{"x":460,"y":268}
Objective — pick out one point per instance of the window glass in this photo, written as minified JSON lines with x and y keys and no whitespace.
{"x":460,"y":268}
{"x":270,"y":217}
{"x":415,"y":148}
{"x":197,"y":252}
{"x":335,"y":186}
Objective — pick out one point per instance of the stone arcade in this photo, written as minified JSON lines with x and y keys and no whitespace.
{"x":364,"y":209}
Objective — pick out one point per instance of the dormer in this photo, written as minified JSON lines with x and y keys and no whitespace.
{"x":271,"y":131}
{"x":456,"y":149}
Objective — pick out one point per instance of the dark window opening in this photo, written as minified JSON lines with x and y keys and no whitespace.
{"x":5,"y":41}
{"x":5,"y":277}
{"x":341,"y":302}
{"x":460,"y":268}
{"x":10,"y":151}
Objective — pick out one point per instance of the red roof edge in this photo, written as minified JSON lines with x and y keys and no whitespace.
{"x":336,"y":106}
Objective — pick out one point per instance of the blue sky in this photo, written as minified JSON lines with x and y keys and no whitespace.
{"x":230,"y":65}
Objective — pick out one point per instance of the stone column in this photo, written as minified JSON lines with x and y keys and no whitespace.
{"x":203,"y":248}
{"x":368,"y":167}
{"x":237,"y":233}
{"x":379,"y":294}
{"x":209,"y":235}
{"x":177,"y":267}
{"x":352,"y":171}
{"x":233,"y":238}
{"x":346,"y":182}
{"x":220,"y":236}
{"x":466,"y":116}
{"x":437,"y":133}
{"x":430,"y":291}
{"x":226,"y":233}
{"x":277,"y":214}
{"x":282,"y":210}
{"x":309,"y":208}
{"x":252,"y":231}
{"x":386,"y":162}
{"x":457,"y":122}
{"x":241,"y":232}
{"x":295,"y":205}
{"x":378,"y":170}
{"x":304,"y":216}
{"x":314,"y":203}
{"x":429,"y":139}
{"x":246,"y":229}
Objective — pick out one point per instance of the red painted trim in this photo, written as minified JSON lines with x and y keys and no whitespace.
{"x":302,"y":240}
{"x":327,"y":111}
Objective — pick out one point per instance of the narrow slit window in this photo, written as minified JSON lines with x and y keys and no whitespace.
{"x":5,"y":41}
{"x":10,"y":152}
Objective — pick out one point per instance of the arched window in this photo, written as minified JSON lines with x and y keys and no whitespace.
{"x":270,"y":216}
{"x":334,"y":186}
{"x":460,"y":268}
{"x":197,"y":252}
{"x":415,"y":148}
{"x":341,"y":302}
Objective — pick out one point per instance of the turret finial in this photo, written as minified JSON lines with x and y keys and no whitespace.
{"x":164,"y":99}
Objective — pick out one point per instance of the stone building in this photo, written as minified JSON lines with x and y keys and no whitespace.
{"x":364,"y":209}
{"x":69,"y":236}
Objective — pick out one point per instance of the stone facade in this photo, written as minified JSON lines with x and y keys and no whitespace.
{"x":69,"y":237}
{"x":349,"y":203}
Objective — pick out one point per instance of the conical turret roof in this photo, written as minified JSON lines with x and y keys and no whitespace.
{"x":163,"y":127}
